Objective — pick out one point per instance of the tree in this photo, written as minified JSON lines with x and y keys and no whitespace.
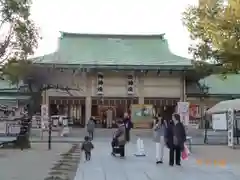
{"x":18,"y":39}
{"x":214,"y":25}
{"x":18,"y":33}
{"x":24,"y":70}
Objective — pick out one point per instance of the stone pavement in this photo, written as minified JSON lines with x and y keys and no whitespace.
{"x":32,"y":164}
{"x":105,"y":167}
{"x":77,"y":134}
{"x":211,"y":153}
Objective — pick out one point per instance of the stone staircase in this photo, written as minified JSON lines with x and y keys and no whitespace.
{"x":66,"y":167}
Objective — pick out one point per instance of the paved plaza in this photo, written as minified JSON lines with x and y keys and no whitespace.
{"x":77,"y":135}
{"x":105,"y":167}
{"x":30,"y":164}
{"x":16,"y":164}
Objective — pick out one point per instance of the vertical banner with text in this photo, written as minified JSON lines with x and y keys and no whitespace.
{"x":183,"y":111}
{"x":44,"y":116}
{"x":230,"y":120}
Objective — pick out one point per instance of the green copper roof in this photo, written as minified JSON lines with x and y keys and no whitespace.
{"x":218,"y":85}
{"x":6,"y":85}
{"x":14,"y":98}
{"x":114,"y":50}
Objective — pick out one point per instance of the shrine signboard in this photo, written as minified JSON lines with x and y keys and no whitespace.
{"x":142,"y":115}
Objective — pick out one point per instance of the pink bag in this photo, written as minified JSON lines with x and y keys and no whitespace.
{"x":185,"y":153}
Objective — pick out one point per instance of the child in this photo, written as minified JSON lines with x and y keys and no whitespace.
{"x":87,"y":147}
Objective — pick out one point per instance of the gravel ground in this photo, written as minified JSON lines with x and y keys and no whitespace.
{"x":32,"y":164}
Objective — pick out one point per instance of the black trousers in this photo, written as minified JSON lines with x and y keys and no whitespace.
{"x":90,"y":133}
{"x":122,"y":150}
{"x":175,"y":153}
{"x":118,"y":149}
{"x":127,"y":135}
{"x":87,"y":156}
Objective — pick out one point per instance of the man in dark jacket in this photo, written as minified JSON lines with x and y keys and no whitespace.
{"x":91,"y":127}
{"x":128,"y":125}
{"x":175,"y":136}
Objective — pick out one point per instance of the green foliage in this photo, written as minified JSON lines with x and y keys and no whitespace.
{"x":19,"y":31}
{"x":215,"y":27}
{"x":16,"y":70}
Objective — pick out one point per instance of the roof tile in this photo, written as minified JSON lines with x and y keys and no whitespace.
{"x":218,"y":85}
{"x":85,"y":49}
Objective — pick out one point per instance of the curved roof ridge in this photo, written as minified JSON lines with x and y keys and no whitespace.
{"x":113,"y":35}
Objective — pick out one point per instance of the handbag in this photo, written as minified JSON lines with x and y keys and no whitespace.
{"x":185,"y":153}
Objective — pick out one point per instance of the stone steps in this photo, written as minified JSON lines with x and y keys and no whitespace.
{"x":66,"y":167}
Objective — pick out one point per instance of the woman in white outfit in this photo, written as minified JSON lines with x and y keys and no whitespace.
{"x":159,"y":127}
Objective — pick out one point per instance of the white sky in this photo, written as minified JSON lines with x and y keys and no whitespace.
{"x":111,"y":17}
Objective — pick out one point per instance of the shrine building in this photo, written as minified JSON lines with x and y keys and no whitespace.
{"x":112,"y":72}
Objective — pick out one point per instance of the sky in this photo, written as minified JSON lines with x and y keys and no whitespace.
{"x":111,"y":17}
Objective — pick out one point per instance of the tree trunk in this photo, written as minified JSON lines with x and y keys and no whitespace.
{"x":22,"y":140}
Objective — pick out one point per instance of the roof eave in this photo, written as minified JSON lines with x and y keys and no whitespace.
{"x":212,"y":95}
{"x":63,"y":34}
{"x":118,"y":67}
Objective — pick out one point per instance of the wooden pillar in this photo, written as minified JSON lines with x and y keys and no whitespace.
{"x":88,"y":108}
{"x":44,"y":94}
{"x":89,"y":83}
{"x":183,"y":88}
{"x":140,"y":89}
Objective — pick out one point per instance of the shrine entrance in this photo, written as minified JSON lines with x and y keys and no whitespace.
{"x":164,"y":107}
{"x":108,"y":110}
{"x":72,"y":107}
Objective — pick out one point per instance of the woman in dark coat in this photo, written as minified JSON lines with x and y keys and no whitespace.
{"x":175,"y":136}
{"x":119,"y":141}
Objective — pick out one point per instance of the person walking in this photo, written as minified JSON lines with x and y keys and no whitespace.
{"x":175,"y":136}
{"x":87,"y":147}
{"x":91,"y":127}
{"x":128,"y":125}
{"x":119,"y":140}
{"x":159,"y":128}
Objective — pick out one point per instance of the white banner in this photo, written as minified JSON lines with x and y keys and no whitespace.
{"x":185,"y":118}
{"x":44,"y":110}
{"x":219,"y":121}
{"x":44,"y":116}
{"x":183,"y":107}
{"x":183,"y":111}
{"x":230,"y":119}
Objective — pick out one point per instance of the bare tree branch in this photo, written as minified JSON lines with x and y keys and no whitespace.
{"x":57,"y":87}
{"x":6,"y":43}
